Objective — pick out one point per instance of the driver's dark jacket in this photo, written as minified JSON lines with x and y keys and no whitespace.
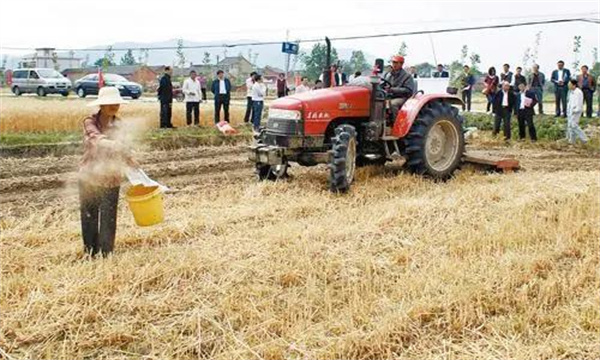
{"x":403,"y":84}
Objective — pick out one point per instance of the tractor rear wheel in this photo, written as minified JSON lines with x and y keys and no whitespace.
{"x":343,"y":159}
{"x":435,"y":143}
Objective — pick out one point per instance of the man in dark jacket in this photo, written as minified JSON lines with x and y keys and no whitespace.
{"x":504,"y":102}
{"x":560,"y":77}
{"x":506,"y":74}
{"x":221,"y":88}
{"x":518,"y":78}
{"x":401,"y":85}
{"x":527,"y":101}
{"x":536,"y":83}
{"x":467,"y":82}
{"x":587,"y":84}
{"x":165,"y":96}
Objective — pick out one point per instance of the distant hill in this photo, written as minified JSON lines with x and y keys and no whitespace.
{"x":265,"y":54}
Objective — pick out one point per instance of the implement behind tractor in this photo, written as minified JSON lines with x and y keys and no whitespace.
{"x":352,"y":126}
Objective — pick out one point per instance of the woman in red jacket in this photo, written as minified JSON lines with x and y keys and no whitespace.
{"x":491,"y":86}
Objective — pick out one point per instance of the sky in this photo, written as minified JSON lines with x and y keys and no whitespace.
{"x":86,"y":23}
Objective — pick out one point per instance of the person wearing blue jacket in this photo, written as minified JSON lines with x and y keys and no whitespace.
{"x":221,"y":88}
{"x":560,"y":78}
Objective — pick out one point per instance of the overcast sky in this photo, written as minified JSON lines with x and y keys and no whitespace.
{"x":86,"y":23}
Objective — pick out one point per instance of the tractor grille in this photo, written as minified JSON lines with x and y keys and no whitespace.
{"x":284,"y":126}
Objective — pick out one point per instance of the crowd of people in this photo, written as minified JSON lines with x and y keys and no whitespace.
{"x":507,"y":94}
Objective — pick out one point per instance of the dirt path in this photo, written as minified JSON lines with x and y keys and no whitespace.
{"x":27,"y":183}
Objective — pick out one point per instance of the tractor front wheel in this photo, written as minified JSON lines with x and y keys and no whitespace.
{"x":435,"y":143}
{"x":343,"y":158}
{"x":271,"y":172}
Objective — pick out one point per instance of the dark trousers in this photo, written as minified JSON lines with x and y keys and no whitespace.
{"x":539,"y":92}
{"x":490,"y":101}
{"x":165,"y":115}
{"x":466,"y":98}
{"x":221,"y":100}
{"x":194,"y":107}
{"x":248,"y":114}
{"x":503,"y":116}
{"x":588,"y":98}
{"x":257,"y":108}
{"x":280,"y":94}
{"x":98,"y":206}
{"x":203,"y":90}
{"x":560,"y":98}
{"x":517,"y":101}
{"x":525,"y":118}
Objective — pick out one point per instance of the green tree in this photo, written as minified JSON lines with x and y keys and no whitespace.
{"x":206,"y":58}
{"x":576,"y":52}
{"x":595,"y":70}
{"x":358,"y":62}
{"x":425,"y":69}
{"x":143,"y":56}
{"x":107,"y":60}
{"x":315,"y":62}
{"x":179,"y":54}
{"x":127,"y":58}
{"x":403,"y":49}
{"x":475,"y":61}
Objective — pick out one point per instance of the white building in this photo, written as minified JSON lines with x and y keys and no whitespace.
{"x":49,"y":58}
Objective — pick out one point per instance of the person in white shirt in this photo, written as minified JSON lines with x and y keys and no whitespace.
{"x":504,"y":102}
{"x":303,"y":87}
{"x":249,"y":84}
{"x":259,"y":91}
{"x":192,"y":92}
{"x":574,"y":111}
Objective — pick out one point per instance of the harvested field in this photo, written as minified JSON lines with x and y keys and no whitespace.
{"x":484,"y":266}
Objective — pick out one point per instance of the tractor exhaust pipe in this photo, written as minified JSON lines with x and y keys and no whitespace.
{"x":327,"y":70}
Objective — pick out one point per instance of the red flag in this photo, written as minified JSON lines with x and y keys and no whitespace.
{"x":100,"y":78}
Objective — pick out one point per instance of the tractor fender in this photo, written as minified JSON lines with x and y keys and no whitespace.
{"x":411,"y":108}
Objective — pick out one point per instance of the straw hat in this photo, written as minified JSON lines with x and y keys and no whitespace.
{"x":108,"y":95}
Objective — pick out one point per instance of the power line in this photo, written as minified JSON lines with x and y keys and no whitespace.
{"x":342,"y":38}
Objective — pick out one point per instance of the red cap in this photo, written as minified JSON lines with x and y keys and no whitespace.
{"x":398,"y":58}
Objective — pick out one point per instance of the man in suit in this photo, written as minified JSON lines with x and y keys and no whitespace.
{"x":467,"y":82}
{"x":536,"y":83}
{"x":506,"y":74}
{"x":504,"y":102}
{"x":165,"y":96}
{"x":560,"y":77}
{"x":441,"y":73}
{"x":221,"y":88}
{"x":587,"y":84}
{"x":526,"y":103}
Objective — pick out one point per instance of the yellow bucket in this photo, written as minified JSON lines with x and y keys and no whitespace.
{"x":146,"y":204}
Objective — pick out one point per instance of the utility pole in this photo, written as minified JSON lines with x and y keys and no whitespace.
{"x":287,"y":56}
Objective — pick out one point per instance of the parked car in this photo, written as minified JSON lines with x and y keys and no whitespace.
{"x":39,"y":81}
{"x":88,"y":85}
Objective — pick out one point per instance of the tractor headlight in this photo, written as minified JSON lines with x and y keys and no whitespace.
{"x":285,"y":114}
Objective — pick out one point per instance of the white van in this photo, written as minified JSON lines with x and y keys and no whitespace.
{"x":39,"y":81}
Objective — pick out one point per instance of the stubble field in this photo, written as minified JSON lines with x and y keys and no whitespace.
{"x":484,"y":266}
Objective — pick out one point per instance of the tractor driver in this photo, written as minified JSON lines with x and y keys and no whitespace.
{"x":401,"y":85}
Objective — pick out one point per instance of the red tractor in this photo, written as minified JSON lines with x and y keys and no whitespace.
{"x":351,"y":126}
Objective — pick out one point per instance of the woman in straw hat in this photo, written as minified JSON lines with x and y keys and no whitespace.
{"x":100,"y":172}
